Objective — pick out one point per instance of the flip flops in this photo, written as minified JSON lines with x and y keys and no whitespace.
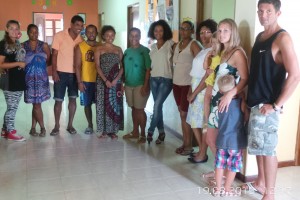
{"x":130,"y":136}
{"x":142,"y":140}
{"x":250,"y":186}
{"x":54,"y":132}
{"x":89,"y":131}
{"x":184,"y":152}
{"x":72,"y":131}
{"x":113,"y":136}
{"x":103,"y":136}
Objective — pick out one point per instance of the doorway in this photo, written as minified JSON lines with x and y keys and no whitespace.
{"x":48,"y":24}
{"x":132,"y":18}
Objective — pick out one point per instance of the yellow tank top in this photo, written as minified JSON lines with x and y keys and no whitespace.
{"x":215,"y":61}
{"x":88,"y":71}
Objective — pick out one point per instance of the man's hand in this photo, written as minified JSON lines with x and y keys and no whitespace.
{"x":145,"y":90}
{"x":81,"y":87}
{"x":55,"y":76}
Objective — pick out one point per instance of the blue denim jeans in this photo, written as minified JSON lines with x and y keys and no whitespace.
{"x":160,"y":88}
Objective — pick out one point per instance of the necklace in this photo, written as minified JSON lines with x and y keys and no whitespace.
{"x":182,"y":45}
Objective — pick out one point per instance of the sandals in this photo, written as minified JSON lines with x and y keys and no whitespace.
{"x":54,"y":132}
{"x":72,"y":131}
{"x":149,"y":137}
{"x":179,"y":149}
{"x":161,"y":138}
{"x":33,"y":132}
{"x":89,"y":131}
{"x":250,"y":186}
{"x":184,"y":152}
{"x":142,"y":140}
{"x":43,"y":132}
{"x":216,"y":193}
{"x":113,"y":136}
{"x":130,"y":136}
{"x":103,"y":136}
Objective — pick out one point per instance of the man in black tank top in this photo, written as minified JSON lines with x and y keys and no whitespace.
{"x":273,"y":57}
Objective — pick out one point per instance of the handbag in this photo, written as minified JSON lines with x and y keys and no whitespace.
{"x":4,"y":81}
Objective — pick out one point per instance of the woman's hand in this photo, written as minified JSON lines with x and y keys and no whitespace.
{"x":224,"y":102}
{"x":114,"y":82}
{"x":209,"y":71}
{"x":21,"y":64}
{"x":191,"y":97}
{"x":108,"y":84}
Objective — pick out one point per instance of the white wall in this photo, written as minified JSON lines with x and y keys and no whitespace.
{"x":244,"y":13}
{"x":249,"y":27}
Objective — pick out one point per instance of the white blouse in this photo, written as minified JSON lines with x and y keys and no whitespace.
{"x":161,"y":60}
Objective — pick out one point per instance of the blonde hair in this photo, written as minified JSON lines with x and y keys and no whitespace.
{"x":216,"y":50}
{"x":226,"y":83}
{"x":235,"y":40}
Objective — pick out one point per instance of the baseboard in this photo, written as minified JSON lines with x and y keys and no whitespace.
{"x":288,"y":163}
{"x":281,"y":164}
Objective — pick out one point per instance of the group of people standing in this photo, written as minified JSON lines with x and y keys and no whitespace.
{"x":208,"y":80}
{"x":96,"y":70}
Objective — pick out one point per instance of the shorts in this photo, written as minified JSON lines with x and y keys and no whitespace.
{"x":263,"y":133}
{"x":88,"y":96}
{"x":230,"y":159}
{"x":134,"y":97}
{"x":67,"y":80}
{"x":180,"y":94}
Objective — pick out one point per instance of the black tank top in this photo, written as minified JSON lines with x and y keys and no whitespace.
{"x":266,"y":77}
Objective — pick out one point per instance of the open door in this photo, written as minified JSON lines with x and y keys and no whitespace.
{"x":100,"y":19}
{"x":132,"y":18}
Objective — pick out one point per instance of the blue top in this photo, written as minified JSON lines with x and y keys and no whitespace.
{"x":232,"y":133}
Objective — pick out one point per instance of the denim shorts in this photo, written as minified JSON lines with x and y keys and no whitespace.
{"x":263,"y":133}
{"x":230,"y":159}
{"x":88,"y":96}
{"x":66,"y":80}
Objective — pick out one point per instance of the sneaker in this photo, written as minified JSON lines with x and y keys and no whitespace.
{"x":88,"y":131}
{"x":13,"y":136}
{"x":4,"y":133}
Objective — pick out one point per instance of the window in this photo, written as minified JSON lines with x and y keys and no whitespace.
{"x":48,"y":24}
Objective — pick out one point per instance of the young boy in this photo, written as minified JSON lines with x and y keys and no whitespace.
{"x":231,"y":139}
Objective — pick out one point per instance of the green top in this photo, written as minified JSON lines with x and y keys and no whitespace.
{"x":136,"y":62}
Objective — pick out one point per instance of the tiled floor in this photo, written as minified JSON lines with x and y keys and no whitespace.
{"x":71,"y":167}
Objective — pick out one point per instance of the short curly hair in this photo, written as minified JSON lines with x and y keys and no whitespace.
{"x":209,"y":23}
{"x":106,"y":28}
{"x":167,"y":30}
